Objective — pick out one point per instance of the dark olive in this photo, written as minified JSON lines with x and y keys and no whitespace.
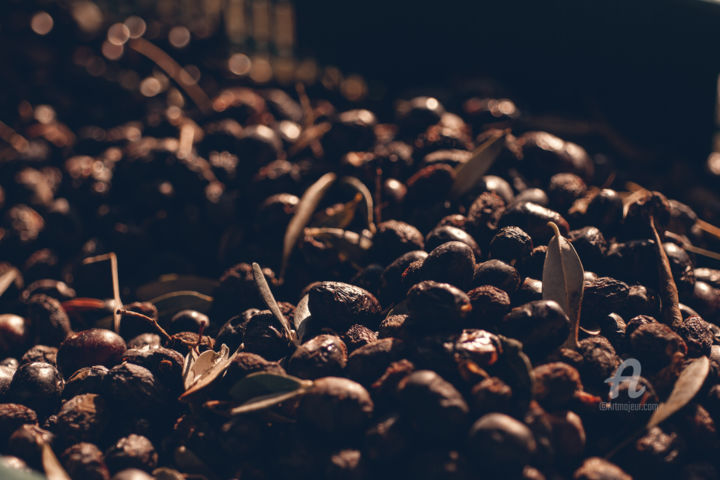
{"x":95,"y":346}
{"x":544,"y":154}
{"x":434,"y":407}
{"x":322,"y":356}
{"x":541,"y":326}
{"x":564,"y":189}
{"x":188,"y":321}
{"x":451,"y":262}
{"x":511,"y":245}
{"x":391,"y":280}
{"x":336,"y":405}
{"x":499,"y":442}
{"x":437,"y":306}
{"x":85,"y":460}
{"x":489,"y":306}
{"x":498,"y":274}
{"x":416,"y":115}
{"x":533,"y":219}
{"x":48,"y":320}
{"x":38,"y":385}
{"x":339,"y":305}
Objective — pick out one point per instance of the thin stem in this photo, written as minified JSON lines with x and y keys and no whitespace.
{"x":173,"y":69}
{"x":115,"y":283}
{"x":14,"y":139}
{"x":378,"y":195}
{"x":130,"y":313}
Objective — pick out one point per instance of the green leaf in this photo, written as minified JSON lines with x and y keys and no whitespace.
{"x":171,"y":303}
{"x":686,"y":387}
{"x":305,"y":209}
{"x":563,"y":280}
{"x":173,"y":282}
{"x":468,"y":174}
{"x":262,"y":384}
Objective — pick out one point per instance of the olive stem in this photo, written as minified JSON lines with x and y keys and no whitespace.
{"x":173,"y":69}
{"x":115,"y":283}
{"x":130,"y":313}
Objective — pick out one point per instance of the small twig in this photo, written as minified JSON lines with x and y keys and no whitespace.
{"x":185,"y":143}
{"x":173,"y":69}
{"x":378,"y":195}
{"x":130,"y":313}
{"x":308,"y":117}
{"x":692,"y":248}
{"x":14,"y":139}
{"x":115,"y":281}
{"x":201,"y":330}
{"x":708,"y":228}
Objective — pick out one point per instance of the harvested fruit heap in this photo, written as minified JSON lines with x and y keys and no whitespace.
{"x":453,"y":296}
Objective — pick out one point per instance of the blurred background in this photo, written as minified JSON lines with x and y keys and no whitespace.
{"x":636,"y":80}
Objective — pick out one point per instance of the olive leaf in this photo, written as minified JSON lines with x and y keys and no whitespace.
{"x":171,"y":303}
{"x":269,"y":299}
{"x":338,"y":217}
{"x":261,"y":390}
{"x":686,"y":387}
{"x":305,"y":209}
{"x":469,"y":173}
{"x":51,"y":465}
{"x":309,"y":136}
{"x":367,"y":198}
{"x":204,"y":369}
{"x":348,"y":244}
{"x":172,"y":283}
{"x":670,"y":301}
{"x":301,"y":315}
{"x":8,"y":277}
{"x":8,"y":473}
{"x":562,"y":280}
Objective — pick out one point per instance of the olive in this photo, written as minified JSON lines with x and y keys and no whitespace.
{"x":434,"y":305}
{"x":511,"y":245}
{"x":501,"y":443}
{"x":451,"y":262}
{"x":540,"y":325}
{"x":339,"y":305}
{"x":86,"y":348}
{"x":433,"y":406}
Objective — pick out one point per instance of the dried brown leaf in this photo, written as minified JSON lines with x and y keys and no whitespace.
{"x":469,"y":173}
{"x":305,"y":209}
{"x":563,"y":280}
{"x":686,"y":387}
